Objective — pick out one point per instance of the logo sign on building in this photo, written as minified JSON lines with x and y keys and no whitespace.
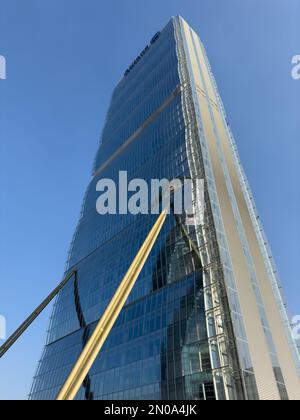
{"x":145,"y":50}
{"x":2,"y":67}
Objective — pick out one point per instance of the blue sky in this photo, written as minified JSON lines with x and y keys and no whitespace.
{"x":63,"y":59}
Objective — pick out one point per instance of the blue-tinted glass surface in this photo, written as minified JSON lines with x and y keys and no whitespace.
{"x":158,"y":348}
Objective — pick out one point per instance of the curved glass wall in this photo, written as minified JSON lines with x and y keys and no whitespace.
{"x":186,"y":331}
{"x":159,"y":347}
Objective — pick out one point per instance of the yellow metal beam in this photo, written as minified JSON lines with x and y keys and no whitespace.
{"x":106,"y":323}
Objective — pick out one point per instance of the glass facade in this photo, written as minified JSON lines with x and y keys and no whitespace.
{"x":181,"y":335}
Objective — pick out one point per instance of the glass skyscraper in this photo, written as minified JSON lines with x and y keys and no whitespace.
{"x":198,"y":325}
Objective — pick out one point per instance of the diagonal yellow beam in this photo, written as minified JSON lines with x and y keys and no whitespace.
{"x":106,"y":323}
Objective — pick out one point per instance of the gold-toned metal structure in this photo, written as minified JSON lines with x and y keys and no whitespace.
{"x":236,"y":203}
{"x":23,"y":327}
{"x":106,"y":323}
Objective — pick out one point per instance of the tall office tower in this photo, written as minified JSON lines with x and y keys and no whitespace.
{"x":203,"y":322}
